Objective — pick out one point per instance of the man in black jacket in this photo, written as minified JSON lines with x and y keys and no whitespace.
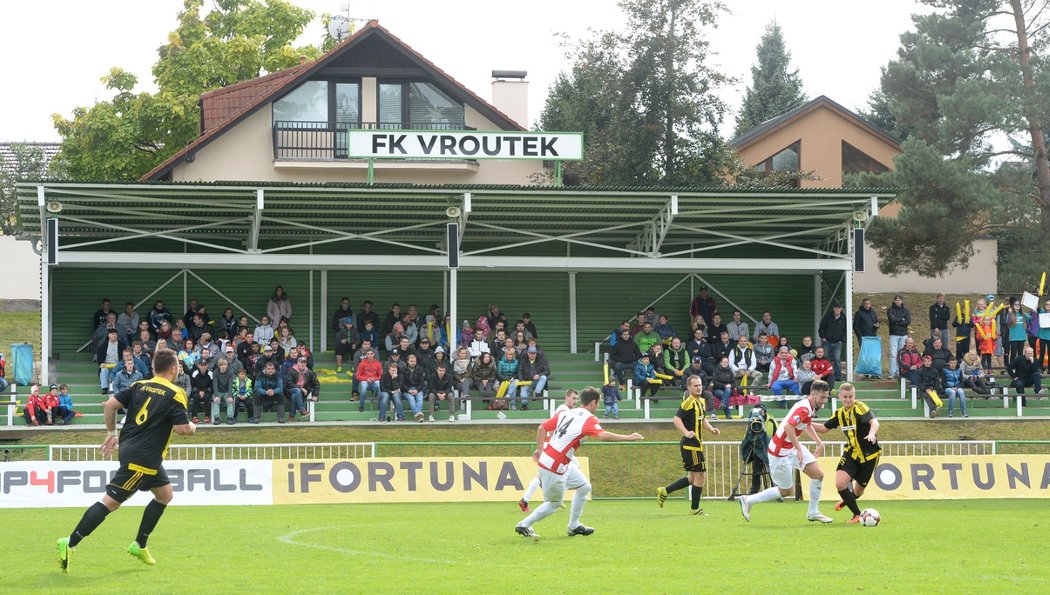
{"x":833,"y":334}
{"x":699,"y":347}
{"x":900,"y":319}
{"x":940,"y":314}
{"x":623,"y":356}
{"x":1025,"y":372}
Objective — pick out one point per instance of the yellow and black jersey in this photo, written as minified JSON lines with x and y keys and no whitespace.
{"x":691,"y":412}
{"x":855,"y":422}
{"x":154,"y":406}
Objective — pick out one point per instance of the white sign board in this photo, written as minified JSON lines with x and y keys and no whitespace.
{"x":1044,"y":320}
{"x":43,"y":484}
{"x":1030,"y":301}
{"x":410,"y":144}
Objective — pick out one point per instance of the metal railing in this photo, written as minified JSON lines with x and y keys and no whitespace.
{"x":230,"y":452}
{"x":325,"y":141}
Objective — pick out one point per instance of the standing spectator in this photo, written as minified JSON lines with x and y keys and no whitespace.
{"x":645,"y":376}
{"x":102,"y":315}
{"x":302,"y":386}
{"x":264,"y":331}
{"x":368,"y":375}
{"x":611,"y":396}
{"x":963,"y":335}
{"x":703,"y":306}
{"x":158,"y":315}
{"x":279,"y":307}
{"x":507,"y":374}
{"x":737,"y":327}
{"x":1043,"y":335}
{"x":909,"y":362}
{"x":201,"y":383}
{"x":900,"y":319}
{"x":1024,"y":371}
{"x":832,"y":335}
{"x":223,"y":377}
{"x":344,"y":311}
{"x":676,"y":362}
{"x":533,"y":368}
{"x":1016,"y":321}
{"x":483,"y":378}
{"x":269,"y":387}
{"x":390,"y":388}
{"x":439,"y":388}
{"x":191,"y":310}
{"x":986,"y":334}
{"x":940,"y":314}
{"x":65,"y":405}
{"x":767,"y":326}
{"x":366,"y":315}
{"x":108,"y":357}
{"x":953,"y":387}
{"x":128,"y":323}
{"x":866,"y":320}
{"x":723,"y":384}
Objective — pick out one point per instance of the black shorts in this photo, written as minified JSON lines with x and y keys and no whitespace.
{"x":131,"y":478}
{"x":860,"y":472}
{"x":693,"y":460}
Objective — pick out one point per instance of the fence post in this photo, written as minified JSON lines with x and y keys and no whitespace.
{"x":904,"y":387}
{"x":469,"y":406}
{"x":597,"y":349}
{"x":914,"y":397}
{"x":1020,"y":400}
{"x":646,"y":407}
{"x":1006,"y":399}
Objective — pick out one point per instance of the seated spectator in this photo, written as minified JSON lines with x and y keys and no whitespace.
{"x":191,"y":310}
{"x":664,"y":329}
{"x":646,"y":338}
{"x":345,"y":342}
{"x":189,"y":356}
{"x":165,"y":331}
{"x":939,"y":353}
{"x":439,"y":390}
{"x":243,"y":396}
{"x":931,"y":385}
{"x":770,"y":328}
{"x":183,"y":381}
{"x":395,"y":357}
{"x":744,"y":364}
{"x":338,"y":317}
{"x":269,"y":390}
{"x":479,"y":345}
{"x":737,"y":327}
{"x":288,"y":363}
{"x":424,"y":352}
{"x":208,"y":357}
{"x":530,"y":326}
{"x":264,"y":332}
{"x":483,"y":378}
{"x":722,"y":347}
{"x":614,"y":337}
{"x":645,"y":376}
{"x":368,"y":332}
{"x":304,"y":351}
{"x":3,"y":372}
{"x":367,"y":314}
{"x":231,"y":360}
{"x":222,"y":381}
{"x":201,"y":382}
{"x":102,"y":315}
{"x":723,"y":384}
{"x":806,"y":351}
{"x":393,"y":338}
{"x":520,"y":343}
{"x":464,"y":335}
{"x":953,"y":379}
{"x":698,"y":323}
{"x":507,"y":375}
{"x":676,"y":362}
{"x":783,"y":374}
{"x":650,"y":315}
{"x":101,"y":333}
{"x":391,"y":385}
{"x":909,"y":362}
{"x":822,"y":366}
{"x":368,"y":374}
{"x":39,"y":408}
{"x":392,"y":317}
{"x":414,"y":385}
{"x":148,"y":344}
{"x":199,"y":326}
{"x":611,"y":397}
{"x":287,"y":340}
{"x":125,"y":376}
{"x":495,"y":316}
{"x":699,"y":347}
{"x":301,"y":386}
{"x":228,"y":323}
{"x":108,"y":356}
{"x":461,"y":364}
{"x":1024,"y":372}
{"x":128,"y":323}
{"x":65,"y":411}
{"x":158,"y":315}
{"x":656,"y":358}
{"x":806,"y":376}
{"x":430,"y":330}
{"x":268,"y":355}
{"x":716,"y":328}
{"x":143,"y":361}
{"x":536,"y":370}
{"x":366,"y":346}
{"x":638,"y":324}
{"x":279,"y":305}
{"x":246,"y":352}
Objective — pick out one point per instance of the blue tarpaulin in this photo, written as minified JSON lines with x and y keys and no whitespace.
{"x":869,"y":361}
{"x":22,"y":363}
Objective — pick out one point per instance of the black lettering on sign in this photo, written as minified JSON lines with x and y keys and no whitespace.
{"x":547,"y":147}
{"x":1045,"y":483}
{"x":512,"y":143}
{"x":922,"y":473}
{"x":308,"y":474}
{"x":1013,"y":476}
{"x":337,"y":475}
{"x":195,"y":477}
{"x":222,"y":487}
{"x":66,"y":477}
{"x":14,"y":479}
{"x":249,"y":487}
{"x":985,"y":484}
{"x":448,"y":144}
{"x":508,"y":478}
{"x":291,"y":478}
{"x":493,"y":148}
{"x":480,"y":476}
{"x":953,"y":474}
{"x":395,"y":143}
{"x":426,"y":142}
{"x":888,"y":477}
{"x":411,"y":467}
{"x":528,"y":146}
{"x":95,"y":482}
{"x":380,"y":473}
{"x":469,"y":145}
{"x":437,"y":484}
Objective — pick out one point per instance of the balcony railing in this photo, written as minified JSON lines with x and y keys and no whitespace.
{"x":323,"y":141}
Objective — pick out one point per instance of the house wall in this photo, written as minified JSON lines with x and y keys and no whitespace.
{"x":21,"y":267}
{"x":980,"y":275}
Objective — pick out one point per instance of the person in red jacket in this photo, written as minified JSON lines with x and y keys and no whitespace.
{"x":39,"y":408}
{"x":367,"y":375}
{"x":822,"y":366}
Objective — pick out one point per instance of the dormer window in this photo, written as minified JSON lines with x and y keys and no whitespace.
{"x":418,"y":106}
{"x":320,"y":105}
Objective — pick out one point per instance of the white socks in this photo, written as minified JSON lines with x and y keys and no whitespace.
{"x":533,"y":486}
{"x":767,"y":495}
{"x":814,"y":496}
{"x":578,"y":500}
{"x":541,"y":512}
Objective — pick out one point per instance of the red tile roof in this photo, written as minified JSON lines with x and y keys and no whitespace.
{"x":217,"y":106}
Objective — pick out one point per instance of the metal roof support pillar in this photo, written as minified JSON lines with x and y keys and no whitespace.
{"x":849,"y":329}
{"x":324,"y":312}
{"x":313,"y":321}
{"x":45,"y":319}
{"x":453,"y":325}
{"x":818,"y":305}
{"x":572,"y":312}
{"x":253,"y":234}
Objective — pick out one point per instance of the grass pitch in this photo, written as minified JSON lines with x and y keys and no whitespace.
{"x":920,"y":547}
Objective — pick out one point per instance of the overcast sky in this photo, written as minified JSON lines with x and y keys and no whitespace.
{"x":55,"y":51}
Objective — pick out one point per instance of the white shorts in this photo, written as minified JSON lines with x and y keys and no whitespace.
{"x":554,"y":485}
{"x":782,"y":469}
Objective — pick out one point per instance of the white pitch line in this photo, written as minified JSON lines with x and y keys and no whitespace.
{"x":289,"y":538}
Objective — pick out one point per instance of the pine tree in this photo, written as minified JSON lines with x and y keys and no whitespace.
{"x":775,"y":88}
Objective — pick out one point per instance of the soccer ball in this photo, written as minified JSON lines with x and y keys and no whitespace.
{"x":869,"y":517}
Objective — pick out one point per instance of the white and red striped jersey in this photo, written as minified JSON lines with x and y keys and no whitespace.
{"x":796,"y":420}
{"x":565,"y":431}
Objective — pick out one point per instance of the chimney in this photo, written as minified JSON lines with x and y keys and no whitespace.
{"x":510,"y":94}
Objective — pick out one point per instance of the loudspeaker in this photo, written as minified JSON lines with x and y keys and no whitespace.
{"x":452,"y":241}
{"x":858,"y":250}
{"x":52,"y":241}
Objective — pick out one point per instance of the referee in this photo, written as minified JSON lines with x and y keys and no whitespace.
{"x":688,"y":420}
{"x":861,"y":454}
{"x":155,"y":409}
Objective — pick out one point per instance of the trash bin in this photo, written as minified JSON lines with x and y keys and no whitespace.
{"x":22,"y":363}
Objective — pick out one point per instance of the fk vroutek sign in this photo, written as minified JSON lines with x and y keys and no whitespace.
{"x":408,"y":144}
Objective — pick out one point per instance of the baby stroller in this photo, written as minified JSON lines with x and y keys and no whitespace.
{"x":753,"y":451}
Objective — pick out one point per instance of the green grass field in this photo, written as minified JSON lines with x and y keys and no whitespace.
{"x":988,"y":546}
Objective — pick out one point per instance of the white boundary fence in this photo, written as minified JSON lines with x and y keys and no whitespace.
{"x":231,"y":452}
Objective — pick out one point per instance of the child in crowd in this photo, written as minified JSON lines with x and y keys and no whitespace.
{"x":39,"y":408}
{"x":242,"y":393}
{"x":612,"y":398}
{"x":65,"y":405}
